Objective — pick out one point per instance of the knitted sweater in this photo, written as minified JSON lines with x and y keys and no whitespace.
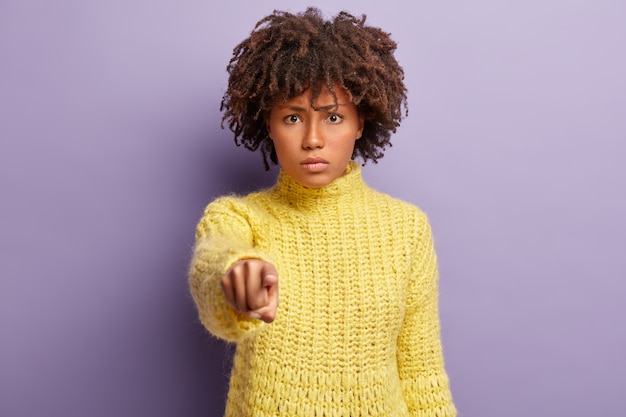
{"x":357,"y":327}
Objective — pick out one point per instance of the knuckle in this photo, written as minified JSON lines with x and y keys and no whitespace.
{"x":236,"y":268}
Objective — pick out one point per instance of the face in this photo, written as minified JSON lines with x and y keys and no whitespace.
{"x":315,"y":146}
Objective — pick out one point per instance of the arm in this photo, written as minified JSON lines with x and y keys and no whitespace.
{"x":223,"y":240}
{"x":420,"y":358}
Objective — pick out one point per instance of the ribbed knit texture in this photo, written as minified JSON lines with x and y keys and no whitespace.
{"x":357,"y":328}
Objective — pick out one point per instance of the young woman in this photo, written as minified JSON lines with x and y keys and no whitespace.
{"x":356,"y":331}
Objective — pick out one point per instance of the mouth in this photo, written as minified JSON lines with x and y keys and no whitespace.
{"x":314,"y":164}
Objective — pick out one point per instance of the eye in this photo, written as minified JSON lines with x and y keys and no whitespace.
{"x":334,"y":118}
{"x":292,"y":118}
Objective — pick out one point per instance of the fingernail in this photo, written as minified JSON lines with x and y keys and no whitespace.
{"x":254,"y":316}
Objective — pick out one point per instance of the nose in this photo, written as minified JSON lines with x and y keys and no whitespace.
{"x":313,"y":137}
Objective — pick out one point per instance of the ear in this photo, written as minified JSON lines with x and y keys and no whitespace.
{"x":359,"y":132}
{"x":267,"y":126}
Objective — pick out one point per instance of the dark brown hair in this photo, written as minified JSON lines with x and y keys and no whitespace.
{"x":287,"y":54}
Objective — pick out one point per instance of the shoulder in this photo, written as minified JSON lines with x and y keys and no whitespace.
{"x":231,"y":212}
{"x":404,"y":218}
{"x":235,"y":208}
{"x":232,"y":203}
{"x":398,"y":206}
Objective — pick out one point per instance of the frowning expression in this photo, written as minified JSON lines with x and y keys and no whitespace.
{"x":315,"y":143}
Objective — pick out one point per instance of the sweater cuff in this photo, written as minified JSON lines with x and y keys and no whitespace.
{"x":215,"y":313}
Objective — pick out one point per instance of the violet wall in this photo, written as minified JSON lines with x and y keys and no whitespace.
{"x":110,"y":146}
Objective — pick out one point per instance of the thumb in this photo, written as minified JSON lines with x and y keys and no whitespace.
{"x":269,"y":275}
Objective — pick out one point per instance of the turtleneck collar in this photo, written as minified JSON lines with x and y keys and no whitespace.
{"x":341,"y":188}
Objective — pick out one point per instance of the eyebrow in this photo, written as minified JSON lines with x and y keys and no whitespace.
{"x":322,"y":108}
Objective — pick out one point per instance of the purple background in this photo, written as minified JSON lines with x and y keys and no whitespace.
{"x":110,"y":146}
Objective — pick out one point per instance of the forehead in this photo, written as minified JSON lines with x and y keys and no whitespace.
{"x":325,"y":98}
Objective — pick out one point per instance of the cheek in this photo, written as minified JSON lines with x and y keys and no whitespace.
{"x":282,"y":146}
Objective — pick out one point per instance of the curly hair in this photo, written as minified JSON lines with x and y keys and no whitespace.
{"x":286,"y":54}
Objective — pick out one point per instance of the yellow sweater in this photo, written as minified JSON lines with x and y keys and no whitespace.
{"x":357,"y":327}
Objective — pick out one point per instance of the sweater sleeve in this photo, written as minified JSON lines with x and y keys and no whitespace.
{"x":425,"y":383}
{"x":223,"y":237}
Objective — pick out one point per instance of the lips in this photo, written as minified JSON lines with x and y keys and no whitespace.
{"x":314,"y":161}
{"x":314,"y":164}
